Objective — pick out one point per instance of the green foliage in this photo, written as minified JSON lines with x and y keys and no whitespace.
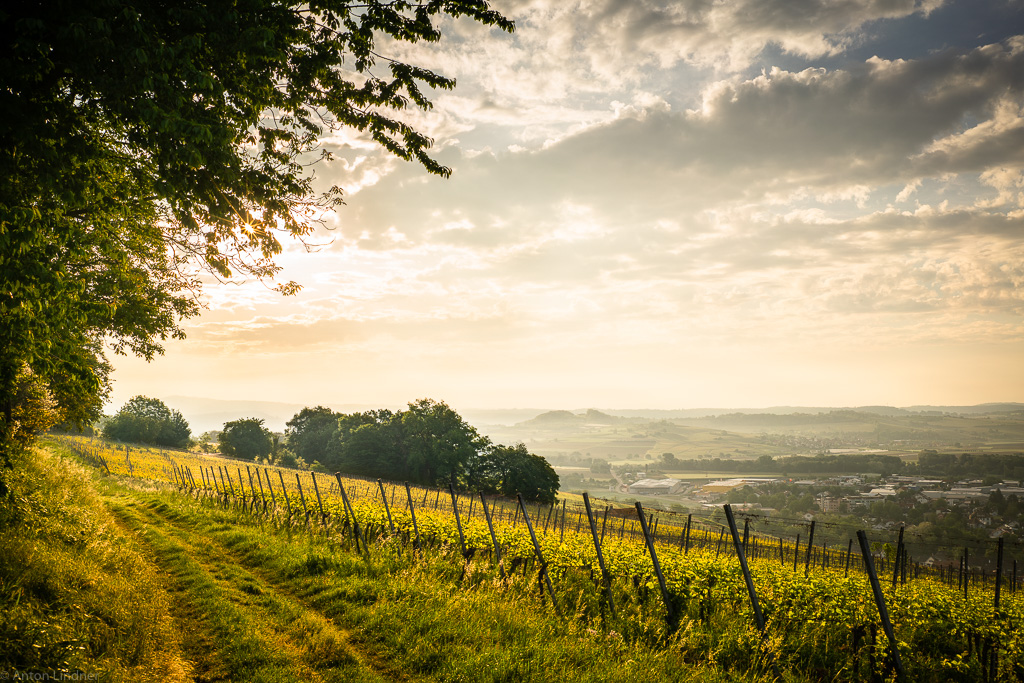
{"x":76,"y":596}
{"x":246,"y":438}
{"x":33,"y":409}
{"x":1009,"y":465}
{"x":144,"y":143}
{"x":509,"y":470}
{"x":441,"y":445}
{"x":308,"y":434}
{"x":427,"y":444}
{"x":149,"y":421}
{"x":371,"y":444}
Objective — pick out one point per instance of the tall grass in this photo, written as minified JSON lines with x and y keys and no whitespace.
{"x":76,"y":595}
{"x":437,"y":618}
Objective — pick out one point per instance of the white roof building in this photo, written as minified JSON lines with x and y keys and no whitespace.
{"x":656,"y":486}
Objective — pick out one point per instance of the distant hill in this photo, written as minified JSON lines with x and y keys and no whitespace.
{"x":565,"y":418}
{"x":981,"y":409}
{"x":205,"y":414}
{"x":887,"y":411}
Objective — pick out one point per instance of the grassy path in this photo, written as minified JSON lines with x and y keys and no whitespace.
{"x":125,"y":580}
{"x":237,"y":624}
{"x":259,"y":603}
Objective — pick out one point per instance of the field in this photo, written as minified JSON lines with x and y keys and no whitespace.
{"x":236,"y":587}
{"x":746,"y":436}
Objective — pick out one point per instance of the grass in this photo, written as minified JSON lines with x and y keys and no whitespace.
{"x":107,"y":577}
{"x":76,"y":594}
{"x":397,"y":617}
{"x":114,"y":577}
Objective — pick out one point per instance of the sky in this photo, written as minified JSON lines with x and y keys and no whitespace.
{"x":662,"y":205}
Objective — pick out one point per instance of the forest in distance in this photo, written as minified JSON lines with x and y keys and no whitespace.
{"x":431,"y":443}
{"x":428,"y":443}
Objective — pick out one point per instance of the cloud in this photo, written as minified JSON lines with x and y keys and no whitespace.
{"x":633,"y":206}
{"x":621,"y":36}
{"x":816,"y":136}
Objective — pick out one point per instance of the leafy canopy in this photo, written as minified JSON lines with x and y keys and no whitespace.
{"x":144,"y":143}
{"x":429,"y":443}
{"x":246,"y":438}
{"x":150,"y":421}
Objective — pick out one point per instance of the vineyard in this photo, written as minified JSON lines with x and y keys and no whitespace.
{"x":707,"y":588}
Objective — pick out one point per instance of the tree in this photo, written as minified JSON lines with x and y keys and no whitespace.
{"x":308,"y":434}
{"x":34,"y":410}
{"x":376,"y":449}
{"x":431,"y":444}
{"x":143,"y":143}
{"x":150,"y":421}
{"x":442,"y":447}
{"x":513,"y":469}
{"x":246,"y":438}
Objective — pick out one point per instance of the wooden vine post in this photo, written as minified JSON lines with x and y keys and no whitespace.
{"x":899,"y":556}
{"x":810,"y":546}
{"x":287,"y":500}
{"x":223,"y":486}
{"x":751,"y":591}
{"x":387,"y":508}
{"x":458,"y":521}
{"x":494,"y":539}
{"x":263,"y":496}
{"x":606,"y":578}
{"x":994,"y":663}
{"x":349,"y":510}
{"x":540,"y":555}
{"x":673,"y":621}
{"x":412,"y":513}
{"x":227,"y":472}
{"x":966,"y":571}
{"x":241,"y":486}
{"x":883,"y":611}
{"x":302,"y":498}
{"x":319,"y":502}
{"x":252,"y":487}
{"x":270,"y":485}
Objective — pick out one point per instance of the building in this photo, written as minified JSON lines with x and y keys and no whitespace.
{"x":958,"y":495}
{"x":726,"y":485}
{"x":654,"y":487}
{"x":827,"y":503}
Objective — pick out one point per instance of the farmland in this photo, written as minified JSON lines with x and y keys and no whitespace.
{"x":748,"y":436}
{"x":308,"y":587}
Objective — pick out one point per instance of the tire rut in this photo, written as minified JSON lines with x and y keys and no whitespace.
{"x":259,"y":595}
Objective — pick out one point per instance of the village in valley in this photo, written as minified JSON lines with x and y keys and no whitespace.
{"x":947,"y":477}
